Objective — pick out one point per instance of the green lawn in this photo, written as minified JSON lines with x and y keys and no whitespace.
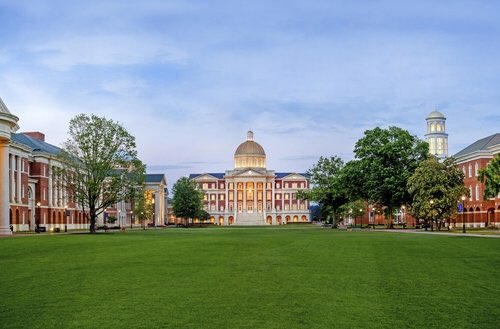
{"x":249,"y":278}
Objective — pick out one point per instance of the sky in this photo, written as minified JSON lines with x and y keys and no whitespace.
{"x":189,"y":78}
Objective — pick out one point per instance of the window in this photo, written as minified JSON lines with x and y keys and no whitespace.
{"x":205,"y":186}
{"x":222,"y":197}
{"x":287,"y":207}
{"x":294,"y":196}
{"x":205,"y":197}
{"x":269,"y":185}
{"x":278,"y":196}
{"x":463,"y":169}
{"x":476,"y":169}
{"x":240,"y":195}
{"x":268,"y":195}
{"x":287,"y":196}
{"x":212,"y":197}
{"x":231,"y":186}
{"x":278,"y":185}
{"x":477,"y":192}
{"x":294,"y":185}
{"x":231,"y":197}
{"x":259,"y":195}
{"x":221,"y":208}
{"x":470,"y":170}
{"x":470,"y":192}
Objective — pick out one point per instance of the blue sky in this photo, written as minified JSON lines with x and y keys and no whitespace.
{"x":189,"y":78}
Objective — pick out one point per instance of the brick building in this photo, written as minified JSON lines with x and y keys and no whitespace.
{"x":250,"y":194}
{"x":31,"y":192}
{"x":477,"y":211}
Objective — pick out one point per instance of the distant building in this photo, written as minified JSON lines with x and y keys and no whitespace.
{"x":436,"y":135}
{"x":478,"y":212}
{"x":250,"y":194}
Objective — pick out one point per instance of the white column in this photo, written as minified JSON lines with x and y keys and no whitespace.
{"x":50,"y":185}
{"x":12,"y":181}
{"x":19,"y":168}
{"x":4,"y":190}
{"x":157,"y":208}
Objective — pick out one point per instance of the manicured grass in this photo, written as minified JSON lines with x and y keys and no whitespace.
{"x":249,"y":278}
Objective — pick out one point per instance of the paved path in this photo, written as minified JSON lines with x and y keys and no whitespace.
{"x":493,"y":235}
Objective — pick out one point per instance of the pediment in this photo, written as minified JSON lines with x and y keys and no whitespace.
{"x":207,"y":177}
{"x":249,"y":173}
{"x":294,"y":176}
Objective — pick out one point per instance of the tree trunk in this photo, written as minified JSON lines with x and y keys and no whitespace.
{"x":92,"y":219}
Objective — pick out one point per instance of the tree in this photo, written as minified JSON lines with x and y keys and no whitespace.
{"x":187,"y":202}
{"x":353,"y":209}
{"x":435,"y":189}
{"x":490,"y":176}
{"x":327,"y":189}
{"x":143,"y":207}
{"x":385,"y":160}
{"x":100,"y":164}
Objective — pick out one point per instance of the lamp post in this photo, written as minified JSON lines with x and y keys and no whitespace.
{"x":66,"y":214}
{"x":37,"y":217}
{"x":463,"y":214}
{"x":131,"y":217}
{"x":120,"y":218}
{"x":431,"y":203}
{"x":350,"y":218}
{"x":360,"y":218}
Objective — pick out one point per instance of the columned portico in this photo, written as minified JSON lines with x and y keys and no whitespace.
{"x":8,"y":125}
{"x":252,"y":194}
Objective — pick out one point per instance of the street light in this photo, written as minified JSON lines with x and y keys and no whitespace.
{"x":120,"y":218}
{"x":66,"y":214}
{"x":37,"y":221}
{"x":463,"y":215}
{"x":360,"y":218}
{"x":432,"y":220}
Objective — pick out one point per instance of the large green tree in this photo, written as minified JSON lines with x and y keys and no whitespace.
{"x":327,"y":190}
{"x":435,"y":188}
{"x":187,"y":202}
{"x":100,"y":164}
{"x":385,"y":160}
{"x":490,"y":176}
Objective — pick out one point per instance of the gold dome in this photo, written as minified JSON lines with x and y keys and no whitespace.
{"x":250,"y":154}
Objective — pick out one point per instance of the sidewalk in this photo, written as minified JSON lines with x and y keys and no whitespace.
{"x":493,"y":235}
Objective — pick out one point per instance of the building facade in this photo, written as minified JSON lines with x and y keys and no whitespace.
{"x":31,"y":193}
{"x":477,"y":211}
{"x":250,"y":194}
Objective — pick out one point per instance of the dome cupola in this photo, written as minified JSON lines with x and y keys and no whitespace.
{"x":249,"y":154}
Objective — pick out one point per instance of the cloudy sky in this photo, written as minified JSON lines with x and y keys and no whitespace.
{"x":189,"y":78}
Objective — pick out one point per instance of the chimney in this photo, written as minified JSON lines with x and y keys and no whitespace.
{"x":36,"y":135}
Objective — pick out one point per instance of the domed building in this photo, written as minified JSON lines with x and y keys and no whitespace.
{"x":250,"y":194}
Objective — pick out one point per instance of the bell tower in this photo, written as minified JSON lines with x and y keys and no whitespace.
{"x":436,"y":135}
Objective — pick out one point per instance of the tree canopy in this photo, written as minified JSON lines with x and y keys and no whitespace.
{"x":435,"y":189}
{"x":490,"y":176}
{"x":325,"y":177}
{"x":385,"y":160}
{"x":188,"y":199}
{"x":100,"y":164}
